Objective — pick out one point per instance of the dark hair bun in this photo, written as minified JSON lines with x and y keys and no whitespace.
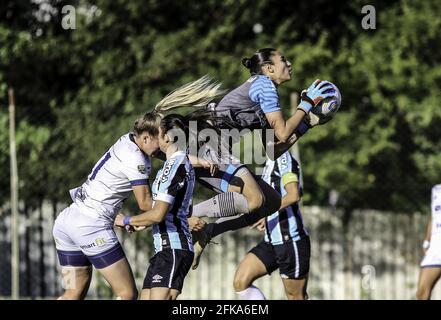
{"x":246,"y":62}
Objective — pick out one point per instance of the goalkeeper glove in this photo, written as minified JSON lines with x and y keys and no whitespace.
{"x":316,"y":92}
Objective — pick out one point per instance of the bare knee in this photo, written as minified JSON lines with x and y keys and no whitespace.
{"x":127,"y":294}
{"x":241,"y":282}
{"x":255,"y":201}
{"x":423,"y":293}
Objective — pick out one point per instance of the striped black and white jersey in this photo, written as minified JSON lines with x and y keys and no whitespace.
{"x":174,"y":184}
{"x":287,"y":224}
{"x":109,"y":184}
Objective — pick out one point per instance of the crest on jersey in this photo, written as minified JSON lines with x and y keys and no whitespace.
{"x":141,"y":168}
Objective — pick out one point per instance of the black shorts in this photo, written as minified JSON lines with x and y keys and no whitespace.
{"x":168,"y":269}
{"x":291,"y":258}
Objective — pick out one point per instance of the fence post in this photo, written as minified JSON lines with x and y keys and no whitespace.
{"x":14,"y":199}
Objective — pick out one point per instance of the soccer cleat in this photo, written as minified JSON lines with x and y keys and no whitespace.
{"x":200,"y":240}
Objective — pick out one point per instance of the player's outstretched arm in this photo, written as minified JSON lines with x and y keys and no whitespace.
{"x":155,"y":215}
{"x":316,"y":92}
{"x":283,"y":130}
{"x":195,"y":162}
{"x":201,"y":163}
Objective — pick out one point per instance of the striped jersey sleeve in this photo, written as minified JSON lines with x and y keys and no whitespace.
{"x":264,"y":92}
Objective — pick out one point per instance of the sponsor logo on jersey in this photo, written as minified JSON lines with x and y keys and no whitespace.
{"x":167,"y":170}
{"x":100,"y":242}
{"x":156,"y":278}
{"x":141,"y":169}
{"x":88,"y":246}
{"x":437,"y":208}
{"x":283,"y":162}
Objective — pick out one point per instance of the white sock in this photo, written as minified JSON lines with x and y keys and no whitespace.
{"x":222,"y":205}
{"x":251,"y":293}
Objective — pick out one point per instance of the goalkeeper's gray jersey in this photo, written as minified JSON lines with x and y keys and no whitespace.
{"x":247,"y":105}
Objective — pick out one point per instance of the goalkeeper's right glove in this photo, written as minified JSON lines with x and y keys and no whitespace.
{"x":316,"y":92}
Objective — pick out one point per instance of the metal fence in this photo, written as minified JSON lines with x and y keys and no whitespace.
{"x":375,"y":255}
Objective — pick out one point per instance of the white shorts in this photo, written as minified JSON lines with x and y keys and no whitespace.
{"x":432,"y":258}
{"x":82,"y":239}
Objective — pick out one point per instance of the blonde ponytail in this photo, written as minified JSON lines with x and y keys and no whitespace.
{"x":198,"y":93}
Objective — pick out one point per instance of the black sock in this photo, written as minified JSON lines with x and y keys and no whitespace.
{"x":215,"y":229}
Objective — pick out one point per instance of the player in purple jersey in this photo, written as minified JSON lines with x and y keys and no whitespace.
{"x":431,"y":264}
{"x":83,"y":232}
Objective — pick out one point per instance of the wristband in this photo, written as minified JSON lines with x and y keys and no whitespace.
{"x":126,"y":221}
{"x":302,"y":128}
{"x":426,"y":244}
{"x":305,"y":106}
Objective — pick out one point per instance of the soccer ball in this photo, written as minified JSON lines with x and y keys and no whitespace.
{"x":326,"y":109}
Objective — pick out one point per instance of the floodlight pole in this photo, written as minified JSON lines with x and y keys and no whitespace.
{"x":14,"y":200}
